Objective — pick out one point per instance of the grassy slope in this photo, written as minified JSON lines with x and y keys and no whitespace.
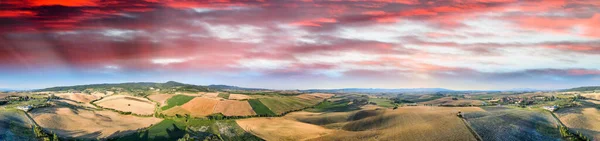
{"x":14,"y":126}
{"x":224,"y":95}
{"x":405,"y":123}
{"x":332,"y":106}
{"x":173,"y":129}
{"x":259,"y":107}
{"x":513,"y":124}
{"x":177,"y":100}
{"x":383,"y":102}
{"x":281,"y":104}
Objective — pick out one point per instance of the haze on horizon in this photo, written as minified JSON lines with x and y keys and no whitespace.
{"x":304,"y":44}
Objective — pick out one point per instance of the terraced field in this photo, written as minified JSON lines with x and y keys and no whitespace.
{"x":513,"y":124}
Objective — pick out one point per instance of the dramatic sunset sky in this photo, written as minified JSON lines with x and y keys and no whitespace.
{"x":300,"y":44}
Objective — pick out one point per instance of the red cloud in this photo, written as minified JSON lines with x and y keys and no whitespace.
{"x":315,"y":22}
{"x":64,"y":2}
{"x":16,"y":13}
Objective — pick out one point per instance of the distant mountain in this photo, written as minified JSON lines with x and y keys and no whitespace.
{"x":11,"y":90}
{"x":524,"y":90}
{"x":137,"y":86}
{"x":227,"y":87}
{"x":586,"y":88}
{"x":379,"y":90}
{"x":169,"y":86}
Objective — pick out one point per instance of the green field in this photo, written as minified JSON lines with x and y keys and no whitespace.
{"x":383,"y":102}
{"x":14,"y":125}
{"x":498,"y":123}
{"x":173,"y":129}
{"x":165,"y":130}
{"x":224,"y":95}
{"x":177,"y":100}
{"x":281,"y":104}
{"x":260,"y":108}
{"x":332,"y":106}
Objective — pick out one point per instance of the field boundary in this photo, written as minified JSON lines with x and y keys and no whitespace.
{"x":477,"y":137}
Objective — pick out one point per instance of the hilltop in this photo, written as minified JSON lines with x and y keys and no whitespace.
{"x":585,"y":88}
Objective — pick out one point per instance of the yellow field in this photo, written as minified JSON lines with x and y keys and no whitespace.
{"x":409,"y":123}
{"x":584,"y":120}
{"x":87,"y":124}
{"x":79,"y":97}
{"x":449,"y":101}
{"x":406,"y":123}
{"x":238,"y":97}
{"x":200,"y":106}
{"x":595,"y":96}
{"x":234,"y":108}
{"x":315,"y":96}
{"x":211,"y":95}
{"x":161,"y":98}
{"x":176,"y":110}
{"x":281,"y":129}
{"x":127,"y":104}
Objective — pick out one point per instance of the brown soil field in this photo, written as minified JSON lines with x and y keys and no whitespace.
{"x":315,"y":96}
{"x":176,"y":110}
{"x":211,"y":95}
{"x":370,"y":107}
{"x":196,"y":94}
{"x":584,"y":120}
{"x":79,"y":97}
{"x":238,"y":97}
{"x":595,"y":96}
{"x":234,"y":108}
{"x":406,"y":123}
{"x":70,"y":102}
{"x":281,"y":129}
{"x":449,"y":101}
{"x":161,"y":98}
{"x":128,"y":104}
{"x":200,"y":106}
{"x":98,"y":94}
{"x":86,"y":124}
{"x":597,"y":102}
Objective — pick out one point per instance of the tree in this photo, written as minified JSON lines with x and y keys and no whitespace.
{"x":187,"y":117}
{"x":185,"y":137}
{"x":55,"y":137}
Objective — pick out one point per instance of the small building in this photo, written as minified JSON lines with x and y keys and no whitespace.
{"x":25,"y":108}
{"x":551,"y":108}
{"x":411,"y":104}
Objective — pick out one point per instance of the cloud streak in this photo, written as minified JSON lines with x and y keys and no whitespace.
{"x":329,"y":41}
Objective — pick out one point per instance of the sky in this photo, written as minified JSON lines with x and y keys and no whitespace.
{"x":302,"y":44}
